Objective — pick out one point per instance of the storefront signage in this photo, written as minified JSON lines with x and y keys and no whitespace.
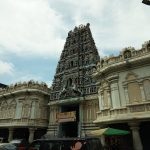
{"x":66,"y":117}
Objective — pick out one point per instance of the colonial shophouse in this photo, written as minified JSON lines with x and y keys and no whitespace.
{"x":23,"y":110}
{"x":124,"y":93}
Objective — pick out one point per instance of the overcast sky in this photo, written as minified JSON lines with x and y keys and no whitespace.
{"x":33,"y":32}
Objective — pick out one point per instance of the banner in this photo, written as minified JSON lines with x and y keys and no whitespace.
{"x":66,"y":117}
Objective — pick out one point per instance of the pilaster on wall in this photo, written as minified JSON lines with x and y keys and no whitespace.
{"x":100,"y":99}
{"x":19,"y":109}
{"x":115,"y":95}
{"x":126,"y":94}
{"x":139,"y":84}
{"x":142,"y":91}
{"x":109,"y":99}
{"x":34,"y":109}
{"x":89,"y":110}
{"x":53,"y":126}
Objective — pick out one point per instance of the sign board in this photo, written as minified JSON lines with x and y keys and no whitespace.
{"x":66,"y":117}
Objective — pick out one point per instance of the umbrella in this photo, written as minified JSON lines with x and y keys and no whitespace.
{"x":110,"y":131}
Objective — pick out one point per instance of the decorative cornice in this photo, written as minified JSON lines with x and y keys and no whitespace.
{"x":65,"y":101}
{"x":29,"y":86}
{"x":121,"y":64}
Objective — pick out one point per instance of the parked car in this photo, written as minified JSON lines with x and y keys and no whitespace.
{"x":20,"y":142}
{"x":87,"y":143}
{"x":3,"y":140}
{"x":8,"y":146}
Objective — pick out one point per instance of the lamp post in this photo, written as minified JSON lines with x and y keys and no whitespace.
{"x":146,"y":2}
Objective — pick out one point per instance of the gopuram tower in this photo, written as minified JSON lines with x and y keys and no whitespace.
{"x":73,"y":88}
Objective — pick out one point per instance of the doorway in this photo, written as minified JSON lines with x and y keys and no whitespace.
{"x":21,"y":133}
{"x":70,"y":129}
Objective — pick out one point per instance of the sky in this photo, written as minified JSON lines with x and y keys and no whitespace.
{"x":33,"y":32}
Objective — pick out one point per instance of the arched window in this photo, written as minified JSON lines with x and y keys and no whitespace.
{"x":71,"y":64}
{"x":127,"y":54}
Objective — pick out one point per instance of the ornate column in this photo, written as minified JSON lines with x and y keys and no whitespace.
{"x":29,"y":111}
{"x":126,"y":94}
{"x":135,"y":135}
{"x":115,"y":94}
{"x":109,"y":98}
{"x":14,"y":112}
{"x":39,"y":113}
{"x":100,"y":99}
{"x":19,"y":111}
{"x":50,"y":115}
{"x":142,"y":91}
{"x":11,"y":131}
{"x":6,"y":112}
{"x":96,"y":108}
{"x":90,"y":112}
{"x":22,"y":114}
{"x":31,"y":134}
{"x":33,"y":109}
{"x":147,"y":89}
{"x":82,"y":107}
{"x":86,"y":112}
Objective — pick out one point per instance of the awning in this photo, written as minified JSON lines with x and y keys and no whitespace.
{"x":110,"y":131}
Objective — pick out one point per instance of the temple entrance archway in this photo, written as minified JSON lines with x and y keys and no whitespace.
{"x":69,"y":129}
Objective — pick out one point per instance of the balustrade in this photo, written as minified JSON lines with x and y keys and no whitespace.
{"x":127,"y":111}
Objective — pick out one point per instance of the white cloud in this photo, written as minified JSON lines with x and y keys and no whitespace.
{"x":35,"y":27}
{"x":30,"y":28}
{"x":6,"y":68}
{"x":38,"y":28}
{"x":114,"y":24}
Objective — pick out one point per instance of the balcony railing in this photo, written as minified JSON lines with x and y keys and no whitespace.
{"x":129,"y":109}
{"x":23,"y":121}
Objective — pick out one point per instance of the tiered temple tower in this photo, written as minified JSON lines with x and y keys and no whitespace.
{"x":73,"y":83}
{"x":77,"y":62}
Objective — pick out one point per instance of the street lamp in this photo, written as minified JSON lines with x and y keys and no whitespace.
{"x":146,"y":2}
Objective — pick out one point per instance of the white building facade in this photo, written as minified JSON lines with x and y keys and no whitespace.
{"x":124,"y":91}
{"x":23,"y":110}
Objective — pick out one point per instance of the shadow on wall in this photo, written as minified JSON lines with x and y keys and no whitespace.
{"x":145,"y":135}
{"x":126,"y":140}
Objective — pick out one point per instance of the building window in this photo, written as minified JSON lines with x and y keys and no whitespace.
{"x":93,"y":89}
{"x":75,"y":63}
{"x":127,"y":54}
{"x":87,"y":90}
{"x":71,"y":64}
{"x":69,"y":82}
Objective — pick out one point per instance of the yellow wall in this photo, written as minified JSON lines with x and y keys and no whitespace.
{"x":131,"y":77}
{"x":105,"y":98}
{"x":134,"y":92}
